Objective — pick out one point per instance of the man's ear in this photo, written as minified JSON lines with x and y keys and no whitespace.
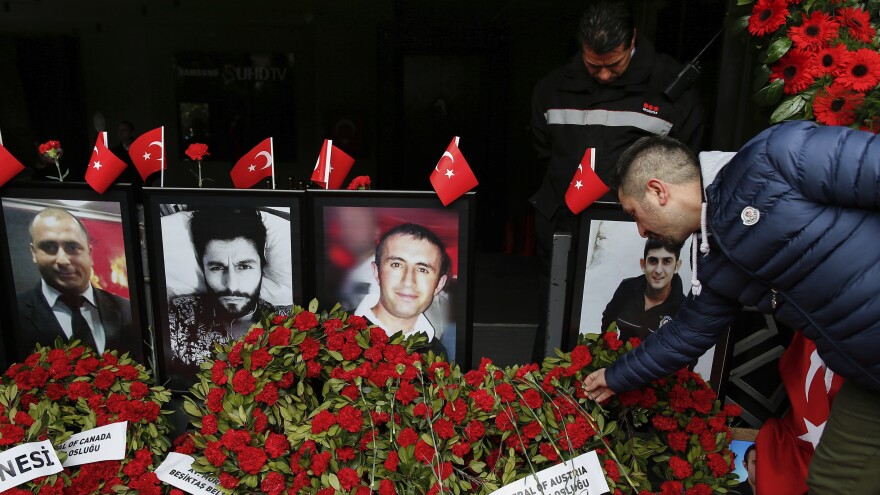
{"x":658,"y":189}
{"x":375,"y":271}
{"x":642,"y":264}
{"x":440,"y":284}
{"x":677,"y":266}
{"x":33,"y":253}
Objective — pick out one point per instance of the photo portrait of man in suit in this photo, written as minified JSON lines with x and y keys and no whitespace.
{"x":65,"y":303}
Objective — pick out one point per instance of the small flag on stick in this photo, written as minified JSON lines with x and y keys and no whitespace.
{"x":452,"y":176}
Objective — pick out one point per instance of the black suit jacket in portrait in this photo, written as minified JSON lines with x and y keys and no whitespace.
{"x":37,"y":323}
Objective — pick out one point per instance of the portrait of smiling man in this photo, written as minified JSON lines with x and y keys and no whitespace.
{"x":643,"y":304}
{"x":65,"y":303}
{"x":411,"y":268}
{"x":230,"y":246}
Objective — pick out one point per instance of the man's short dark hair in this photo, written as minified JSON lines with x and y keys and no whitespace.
{"x":655,"y":243}
{"x":226,"y":224}
{"x":659,"y":157}
{"x":418,"y":233}
{"x":605,"y":25}
{"x":59,"y":213}
{"x":746,"y":455}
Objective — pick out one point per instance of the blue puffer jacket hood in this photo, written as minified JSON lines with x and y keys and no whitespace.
{"x":794,"y":229}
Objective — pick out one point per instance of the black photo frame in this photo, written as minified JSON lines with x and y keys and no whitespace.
{"x":116,"y":275}
{"x":608,"y":251}
{"x":334,"y":266}
{"x":187,"y":309}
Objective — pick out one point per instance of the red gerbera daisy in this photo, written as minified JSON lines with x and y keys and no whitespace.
{"x":830,"y":59}
{"x":836,"y":105}
{"x":859,"y":23}
{"x":861,"y":70}
{"x":767,"y":16}
{"x":815,"y":32}
{"x":796,"y":69}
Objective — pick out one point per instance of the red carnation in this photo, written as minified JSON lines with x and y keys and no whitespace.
{"x":209,"y":424}
{"x":235,"y":440}
{"x":244,"y":382}
{"x":815,"y":32}
{"x":386,"y":487}
{"x":305,"y":321}
{"x":699,"y":489}
{"x":392,"y":461}
{"x":718,"y":465}
{"x":197,"y":151}
{"x":323,"y":421}
{"x":320,"y":461}
{"x":215,"y":399}
{"x":260,"y":358}
{"x":218,"y":372}
{"x":504,"y":419}
{"x":483,"y":400}
{"x":548,"y":451}
{"x":671,"y":488}
{"x":10,"y":434}
{"x":681,"y":468}
{"x":313,"y":369}
{"x":858,"y":23}
{"x":350,"y":351}
{"x":732,"y":410}
{"x":663,"y":423}
{"x":767,"y":16}
{"x":79,"y":389}
{"x":796,"y":69}
{"x":309,"y":348}
{"x":214,"y":453}
{"x":139,"y":390}
{"x":460,"y":449}
{"x":348,"y":478}
{"x":254,"y":335}
{"x":407,"y":437}
{"x":612,"y":470}
{"x":406,"y":393}
{"x":532,"y":430}
{"x":273,"y":483}
{"x":251,"y":460}
{"x":707,"y":441}
{"x":861,"y":70}
{"x":235,"y":354}
{"x":277,"y":445}
{"x":127,"y":372}
{"x":422,"y":410}
{"x":280,"y":336}
{"x":350,"y":418}
{"x":360,"y":182}
{"x":228,"y":481}
{"x":424,"y":452}
{"x":475,"y":430}
{"x":104,"y":379}
{"x":678,"y":440}
{"x":505,"y":392}
{"x":610,"y":338}
{"x":269,"y":395}
{"x":444,"y":429}
{"x":531,"y":399}
{"x":456,"y":410}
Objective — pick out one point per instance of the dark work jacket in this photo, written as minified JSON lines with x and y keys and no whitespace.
{"x":813,"y":250}
{"x":627,"y":308}
{"x":572,"y":112}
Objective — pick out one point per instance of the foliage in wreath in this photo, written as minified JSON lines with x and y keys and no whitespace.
{"x":820,"y":58}
{"x":390,"y":420}
{"x":66,"y":389}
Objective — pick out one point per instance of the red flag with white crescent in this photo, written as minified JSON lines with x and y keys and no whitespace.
{"x":9,"y":166}
{"x":332,"y":166}
{"x":104,"y":167}
{"x":255,"y":165}
{"x":148,"y":152}
{"x":785,"y":446}
{"x":585,"y":187}
{"x":452,"y":176}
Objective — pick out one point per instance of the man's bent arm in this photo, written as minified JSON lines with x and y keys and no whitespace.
{"x":695,"y":329}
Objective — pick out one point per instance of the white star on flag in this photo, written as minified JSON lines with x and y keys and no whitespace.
{"x":813,"y":434}
{"x":449,"y":173}
{"x":146,"y":156}
{"x":97,"y":165}
{"x":252,"y":168}
{"x":578,"y":184}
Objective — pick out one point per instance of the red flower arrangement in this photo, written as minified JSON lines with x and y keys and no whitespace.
{"x":360,"y":182}
{"x":61,"y":390}
{"x":394,"y":421}
{"x":823,"y":60}
{"x":51,"y":151}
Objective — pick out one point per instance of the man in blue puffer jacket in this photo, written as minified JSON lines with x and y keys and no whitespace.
{"x":790,"y":225}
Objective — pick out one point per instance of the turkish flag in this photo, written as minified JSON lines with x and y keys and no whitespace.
{"x":452,"y":176}
{"x":255,"y":165}
{"x":785,"y":446}
{"x":586,"y":187}
{"x":147,"y":152}
{"x":332,"y":166}
{"x":9,"y":166}
{"x":104,"y":167}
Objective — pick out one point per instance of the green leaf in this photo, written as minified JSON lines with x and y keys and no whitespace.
{"x":191,"y":408}
{"x":744,"y":2}
{"x":334,"y":481}
{"x":313,"y":307}
{"x":777,"y":49}
{"x":788,"y":108}
{"x":770,"y":94}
